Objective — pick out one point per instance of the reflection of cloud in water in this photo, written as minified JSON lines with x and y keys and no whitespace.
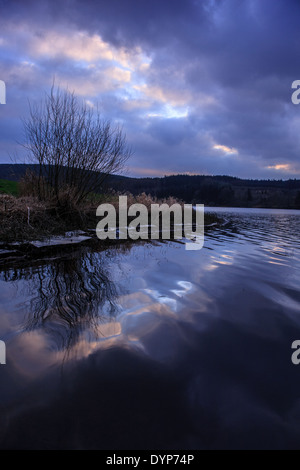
{"x":217,"y":390}
{"x":30,"y":354}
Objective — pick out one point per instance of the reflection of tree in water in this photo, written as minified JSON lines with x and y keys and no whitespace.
{"x":69,"y":296}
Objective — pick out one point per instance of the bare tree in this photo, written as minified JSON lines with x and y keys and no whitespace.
{"x":75,"y":148}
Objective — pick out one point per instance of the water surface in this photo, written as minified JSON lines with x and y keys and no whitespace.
{"x":151,"y":346}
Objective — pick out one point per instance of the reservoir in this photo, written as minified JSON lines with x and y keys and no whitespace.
{"x":150,"y":346}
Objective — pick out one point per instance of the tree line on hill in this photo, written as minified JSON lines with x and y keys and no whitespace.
{"x":198,"y":189}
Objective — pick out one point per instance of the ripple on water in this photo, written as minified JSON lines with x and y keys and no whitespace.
{"x":153,"y":346}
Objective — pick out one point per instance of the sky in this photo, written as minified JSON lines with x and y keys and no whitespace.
{"x":199,"y":86}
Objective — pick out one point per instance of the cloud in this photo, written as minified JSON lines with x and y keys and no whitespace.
{"x":191,"y":82}
{"x":225,"y":150}
{"x":81,"y":46}
{"x":282,"y":167}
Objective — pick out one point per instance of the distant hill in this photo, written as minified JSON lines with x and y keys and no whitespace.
{"x":208,"y":190}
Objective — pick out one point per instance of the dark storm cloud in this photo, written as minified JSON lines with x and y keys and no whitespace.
{"x":171,"y":131}
{"x":214,"y":97}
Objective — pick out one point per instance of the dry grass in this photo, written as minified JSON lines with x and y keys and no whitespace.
{"x":143,"y":198}
{"x":26,"y":218}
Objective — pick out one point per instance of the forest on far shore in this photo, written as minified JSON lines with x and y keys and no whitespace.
{"x":198,"y":189}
